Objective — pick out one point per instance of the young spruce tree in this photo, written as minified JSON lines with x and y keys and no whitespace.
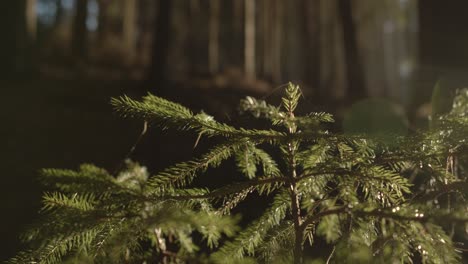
{"x":359,"y":199}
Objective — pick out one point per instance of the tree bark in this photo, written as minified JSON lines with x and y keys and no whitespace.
{"x":213,"y":45}
{"x":80,"y":31}
{"x":161,"y":39}
{"x":354,"y":67}
{"x":249,"y":45}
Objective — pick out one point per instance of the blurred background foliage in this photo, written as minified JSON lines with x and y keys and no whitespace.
{"x":61,"y":61}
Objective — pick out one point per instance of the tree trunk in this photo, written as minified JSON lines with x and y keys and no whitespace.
{"x":102,"y":20}
{"x":80,"y":32}
{"x":15,"y":46}
{"x":238,"y":33}
{"x":129,"y":29}
{"x":31,"y":20}
{"x":10,"y":12}
{"x":312,"y":54}
{"x":297,"y":219}
{"x":354,"y":67}
{"x":276,"y":42}
{"x":59,"y":13}
{"x":213,"y":48}
{"x":194,"y":36}
{"x":160,"y":49}
{"x":249,"y":45}
{"x":266,"y":36}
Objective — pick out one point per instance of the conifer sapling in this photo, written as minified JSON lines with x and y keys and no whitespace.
{"x":366,"y":201}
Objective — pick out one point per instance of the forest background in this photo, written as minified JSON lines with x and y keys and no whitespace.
{"x":62,"y":60}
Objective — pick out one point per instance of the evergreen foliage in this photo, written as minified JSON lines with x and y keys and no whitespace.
{"x":369,"y":202}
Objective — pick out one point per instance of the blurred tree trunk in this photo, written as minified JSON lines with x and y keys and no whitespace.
{"x":390,"y":60}
{"x":213,"y":45}
{"x":249,"y":46}
{"x":59,"y":13}
{"x":266,"y":37}
{"x":129,"y":29}
{"x":354,"y":67}
{"x":277,"y":41}
{"x":15,"y":46}
{"x":311,"y":16}
{"x":31,"y":19}
{"x":238,"y":33}
{"x":294,"y":41}
{"x":194,"y":36}
{"x":102,"y":20}
{"x":80,"y":31}
{"x":332,"y":81}
{"x":9,"y":18}
{"x":178,"y":68}
{"x":30,"y":52}
{"x":161,"y":39}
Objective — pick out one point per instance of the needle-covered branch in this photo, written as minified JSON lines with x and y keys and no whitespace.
{"x":369,"y":202}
